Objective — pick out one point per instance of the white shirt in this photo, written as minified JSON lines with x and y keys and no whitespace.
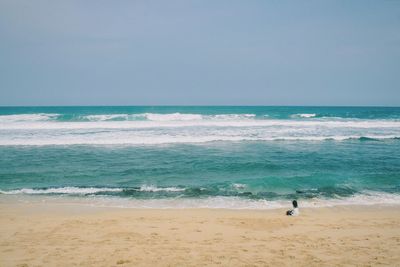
{"x":295,"y":212}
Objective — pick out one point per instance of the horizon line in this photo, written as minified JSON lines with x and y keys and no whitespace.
{"x":38,"y":106}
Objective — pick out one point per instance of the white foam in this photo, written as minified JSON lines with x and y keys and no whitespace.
{"x":27,"y":117}
{"x":239,"y":186}
{"x":232,"y":116}
{"x":218,"y":202}
{"x":146,"y":138}
{"x":86,"y":190}
{"x":61,"y":190}
{"x":173,"y":117}
{"x":304,"y":115}
{"x":145,"y":116}
{"x":360,"y":199}
{"x":106,"y":117}
{"x":174,"y":128}
{"x":152,"y":188}
{"x":237,"y":203}
{"x":243,"y":122}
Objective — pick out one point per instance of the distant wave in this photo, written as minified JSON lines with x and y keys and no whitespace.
{"x":144,"y":116}
{"x":244,"y":120}
{"x":304,"y":115}
{"x":28,"y":117}
{"x":53,"y":119}
{"x":175,"y":128}
{"x":173,"y":139}
{"x":121,"y":117}
{"x":183,"y":117}
{"x":172,"y":117}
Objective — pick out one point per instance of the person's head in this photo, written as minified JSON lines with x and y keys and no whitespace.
{"x":294,"y":203}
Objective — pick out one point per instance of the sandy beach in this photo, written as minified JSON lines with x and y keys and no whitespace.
{"x":44,"y":234}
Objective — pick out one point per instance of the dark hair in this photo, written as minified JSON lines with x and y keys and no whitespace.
{"x":294,"y":203}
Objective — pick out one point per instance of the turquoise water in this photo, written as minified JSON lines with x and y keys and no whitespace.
{"x":278,"y":112}
{"x":202,"y":156}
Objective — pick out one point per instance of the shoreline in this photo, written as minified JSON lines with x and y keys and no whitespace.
{"x":37,"y":234}
{"x":373,"y":199}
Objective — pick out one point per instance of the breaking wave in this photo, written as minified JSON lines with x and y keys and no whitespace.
{"x":304,"y":115}
{"x":106,"y":197}
{"x":151,"y":188}
{"x":155,"y":128}
{"x":61,"y":190}
{"x":88,"y":190}
{"x":28,"y":117}
{"x":120,"y":117}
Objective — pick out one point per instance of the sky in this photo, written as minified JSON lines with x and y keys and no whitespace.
{"x":203,"y":52}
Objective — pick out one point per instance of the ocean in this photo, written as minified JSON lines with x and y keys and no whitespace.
{"x":201,"y":157}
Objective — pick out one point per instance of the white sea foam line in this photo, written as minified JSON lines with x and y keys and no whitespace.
{"x":86,"y":190}
{"x":304,"y":115}
{"x":61,"y":190}
{"x":28,"y":117}
{"x":158,"y":140}
{"x":168,"y":117}
{"x":21,"y":125}
{"x":221,"y":202}
{"x":152,"y":188}
{"x":45,"y":120}
{"x":240,"y":203}
{"x":104,"y":117}
{"x":147,"y":116}
{"x":143,"y":132}
{"x":144,"y":116}
{"x":237,"y":203}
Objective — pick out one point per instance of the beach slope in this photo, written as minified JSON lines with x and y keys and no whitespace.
{"x":44,"y":234}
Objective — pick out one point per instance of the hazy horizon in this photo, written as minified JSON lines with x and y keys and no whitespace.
{"x":327,"y":106}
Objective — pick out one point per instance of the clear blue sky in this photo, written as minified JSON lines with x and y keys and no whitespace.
{"x":203,"y":52}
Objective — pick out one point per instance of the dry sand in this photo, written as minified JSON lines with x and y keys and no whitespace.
{"x":73,"y":235}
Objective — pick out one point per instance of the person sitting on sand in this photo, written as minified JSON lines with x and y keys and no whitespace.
{"x":295,"y":211}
